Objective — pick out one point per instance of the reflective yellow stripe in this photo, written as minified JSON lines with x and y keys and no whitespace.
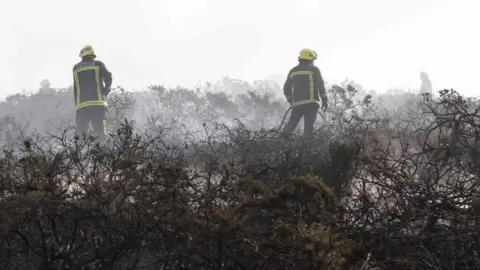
{"x":312,"y":89}
{"x":301,"y":73}
{"x":77,"y":84}
{"x":305,"y":102}
{"x":97,"y":81}
{"x":92,"y":103}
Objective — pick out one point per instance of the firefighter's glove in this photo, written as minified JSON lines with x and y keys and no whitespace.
{"x":324,"y":103}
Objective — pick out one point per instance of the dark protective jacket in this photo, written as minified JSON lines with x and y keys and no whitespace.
{"x":92,"y":82}
{"x":304,"y":85}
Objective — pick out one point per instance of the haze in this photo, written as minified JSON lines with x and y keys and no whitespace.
{"x":378,"y":43}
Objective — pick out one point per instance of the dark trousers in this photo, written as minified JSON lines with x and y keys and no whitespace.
{"x":309,"y":113}
{"x":94,"y":114}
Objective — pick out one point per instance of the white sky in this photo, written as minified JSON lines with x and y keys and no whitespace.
{"x":378,"y":43}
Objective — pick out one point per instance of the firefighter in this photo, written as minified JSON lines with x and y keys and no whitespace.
{"x":303,"y":89}
{"x":426,"y":86}
{"x":45,"y":88}
{"x":92,"y":83}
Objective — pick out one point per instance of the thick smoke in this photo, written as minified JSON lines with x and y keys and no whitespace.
{"x":185,"y":112}
{"x":181,"y":111}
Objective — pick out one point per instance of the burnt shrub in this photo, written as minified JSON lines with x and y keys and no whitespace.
{"x":373,"y":189}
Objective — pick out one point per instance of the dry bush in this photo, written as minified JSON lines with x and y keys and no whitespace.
{"x":373,"y":189}
{"x":138,"y":202}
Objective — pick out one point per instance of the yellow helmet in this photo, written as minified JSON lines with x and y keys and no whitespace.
{"x":87,"y":50}
{"x":307,"y":54}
